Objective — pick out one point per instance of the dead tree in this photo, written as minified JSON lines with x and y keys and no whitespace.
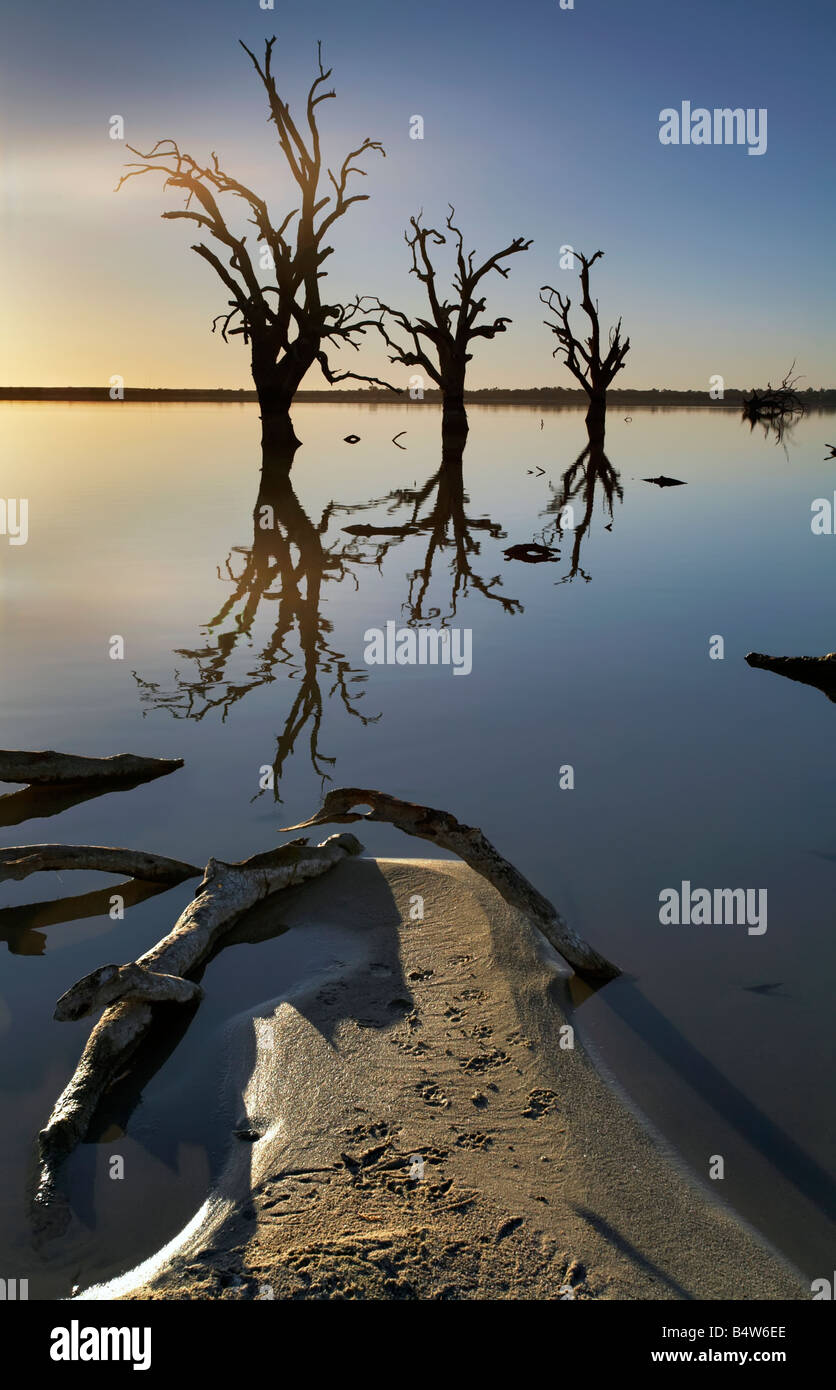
{"x":286,"y":324}
{"x":439,"y":343}
{"x":777,"y":408}
{"x":594,"y":372}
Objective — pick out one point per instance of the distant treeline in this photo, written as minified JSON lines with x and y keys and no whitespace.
{"x":552,"y":396}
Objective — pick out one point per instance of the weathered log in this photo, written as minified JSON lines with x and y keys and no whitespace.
{"x":469,"y":844}
{"x":111,"y":982}
{"x":18,"y":861}
{"x":226,"y":892}
{"x":47,"y":768}
{"x":818,"y":671}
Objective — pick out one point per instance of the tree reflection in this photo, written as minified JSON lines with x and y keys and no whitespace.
{"x":288,"y":564}
{"x":572,"y":505}
{"x":436,"y":513}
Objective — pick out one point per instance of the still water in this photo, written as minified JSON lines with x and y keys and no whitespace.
{"x":244,"y":655}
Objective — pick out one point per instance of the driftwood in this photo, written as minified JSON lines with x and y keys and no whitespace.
{"x":226,"y":892}
{"x":818,"y":671}
{"x":469,"y":844}
{"x":47,"y":768}
{"x":111,"y":982}
{"x":19,"y":861}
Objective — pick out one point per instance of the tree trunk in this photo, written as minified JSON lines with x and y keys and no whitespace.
{"x":277,"y":432}
{"x":454,"y":415}
{"x":276,"y":384}
{"x":596,"y":415}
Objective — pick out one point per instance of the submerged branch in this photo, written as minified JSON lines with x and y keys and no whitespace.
{"x":226,"y":892}
{"x":48,"y":768}
{"x":818,"y":671}
{"x":19,"y":861}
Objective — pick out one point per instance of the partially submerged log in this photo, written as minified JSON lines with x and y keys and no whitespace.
{"x":469,"y":844}
{"x":48,"y":768}
{"x":818,"y":671}
{"x":111,"y":982}
{"x":226,"y":892}
{"x":18,"y":861}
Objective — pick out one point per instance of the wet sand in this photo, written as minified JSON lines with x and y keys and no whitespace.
{"x":408,"y":1125}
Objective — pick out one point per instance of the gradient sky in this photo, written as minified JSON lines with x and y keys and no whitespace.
{"x":539,"y":122}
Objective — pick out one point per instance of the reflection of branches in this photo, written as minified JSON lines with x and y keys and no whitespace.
{"x":580,"y":482}
{"x":287,"y":564}
{"x":447,"y":527}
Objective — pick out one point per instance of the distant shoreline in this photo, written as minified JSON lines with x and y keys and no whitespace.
{"x":548,"y":397}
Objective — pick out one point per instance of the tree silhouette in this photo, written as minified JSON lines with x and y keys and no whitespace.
{"x":286,"y":324}
{"x":439,"y":344}
{"x":594,"y":372}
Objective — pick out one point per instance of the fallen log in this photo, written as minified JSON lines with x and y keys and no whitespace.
{"x":469,"y":844}
{"x":225,"y":893}
{"x":18,"y":861}
{"x":818,"y":671}
{"x":48,"y":768}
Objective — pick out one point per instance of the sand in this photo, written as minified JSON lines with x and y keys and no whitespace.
{"x":409,"y":1126}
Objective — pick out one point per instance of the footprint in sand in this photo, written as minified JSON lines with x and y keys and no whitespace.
{"x":484,"y":1061}
{"x":433,"y":1095}
{"x":540,"y":1103}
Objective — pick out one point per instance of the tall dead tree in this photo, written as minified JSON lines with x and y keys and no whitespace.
{"x":583,"y":358}
{"x":439,"y":343}
{"x":286,"y":324}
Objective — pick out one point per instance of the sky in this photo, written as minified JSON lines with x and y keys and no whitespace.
{"x":539,"y":121}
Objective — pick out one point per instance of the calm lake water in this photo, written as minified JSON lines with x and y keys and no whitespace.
{"x":240,"y":658}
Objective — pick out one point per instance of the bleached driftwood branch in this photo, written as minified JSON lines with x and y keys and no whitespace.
{"x":18,"y":861}
{"x":48,"y":768}
{"x":111,"y":982}
{"x":226,"y":892}
{"x":469,"y":844}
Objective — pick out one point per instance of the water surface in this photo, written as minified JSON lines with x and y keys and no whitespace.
{"x":244,"y":651}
